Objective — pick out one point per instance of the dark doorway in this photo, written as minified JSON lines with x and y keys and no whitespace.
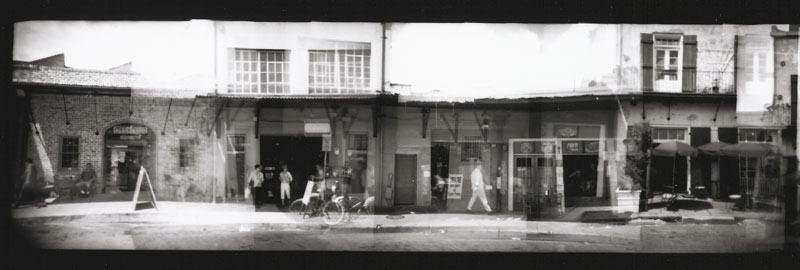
{"x":127,"y":147}
{"x":405,"y":179}
{"x":299,"y":153}
{"x":701,"y":165}
{"x":662,"y":173}
{"x":580,"y":180}
{"x":440,"y":160}
{"x":728,"y":166}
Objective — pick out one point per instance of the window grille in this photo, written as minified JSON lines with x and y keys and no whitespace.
{"x":471,"y":148}
{"x":70,"y":153}
{"x":358,"y":142}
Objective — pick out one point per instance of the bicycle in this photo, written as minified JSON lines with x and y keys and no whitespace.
{"x":317,"y":205}
{"x":338,"y":209}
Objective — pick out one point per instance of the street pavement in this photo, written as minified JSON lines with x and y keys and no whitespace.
{"x":203,"y":226}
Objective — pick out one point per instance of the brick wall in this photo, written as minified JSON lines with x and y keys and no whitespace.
{"x":171,"y":181}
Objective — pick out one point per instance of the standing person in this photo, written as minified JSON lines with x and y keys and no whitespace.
{"x":477,"y":189}
{"x":85,"y":182}
{"x":256,"y":179}
{"x":439,"y":190}
{"x":286,"y":180}
{"x":319,"y":177}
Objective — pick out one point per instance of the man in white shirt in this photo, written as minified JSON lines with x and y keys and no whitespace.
{"x":286,"y":179}
{"x":478,"y":190}
{"x":256,"y":179}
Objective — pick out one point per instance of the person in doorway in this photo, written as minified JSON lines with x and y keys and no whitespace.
{"x":286,"y":180}
{"x":319,"y":178}
{"x":478,"y":190}
{"x":439,"y":190}
{"x":255,"y":180}
{"x":84,"y":185}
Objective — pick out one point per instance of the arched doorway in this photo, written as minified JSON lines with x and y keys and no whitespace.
{"x":127,"y":147}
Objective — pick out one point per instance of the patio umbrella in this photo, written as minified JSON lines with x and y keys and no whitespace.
{"x":674,"y":149}
{"x":748,"y":149}
{"x":711,"y":149}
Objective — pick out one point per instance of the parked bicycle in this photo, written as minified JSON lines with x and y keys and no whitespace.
{"x":343,"y":208}
{"x":331,"y":205}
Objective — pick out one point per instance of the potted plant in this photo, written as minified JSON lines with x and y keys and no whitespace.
{"x":629,"y":187}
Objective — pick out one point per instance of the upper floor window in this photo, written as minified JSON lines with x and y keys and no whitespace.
{"x":668,"y":134}
{"x":70,"y":152}
{"x":339,"y":71}
{"x":259,"y":71}
{"x":755,"y":135}
{"x":471,"y":148}
{"x":669,"y":62}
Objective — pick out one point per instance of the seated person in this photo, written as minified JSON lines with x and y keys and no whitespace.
{"x":84,"y":184}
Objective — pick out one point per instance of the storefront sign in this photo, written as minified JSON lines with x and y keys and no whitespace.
{"x":326,"y":142}
{"x":129,"y":130}
{"x":130,"y":137}
{"x":455,"y":186}
{"x":591,"y":147}
{"x":317,"y":128}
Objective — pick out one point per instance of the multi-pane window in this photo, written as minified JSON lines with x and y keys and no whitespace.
{"x":358,"y":142}
{"x":236,"y":144}
{"x":669,"y":134}
{"x":759,"y":70}
{"x":339,"y":71}
{"x":471,"y":148}
{"x":667,"y":51}
{"x":755,"y":135}
{"x":260,"y":71}
{"x":186,"y":153}
{"x":70,"y":152}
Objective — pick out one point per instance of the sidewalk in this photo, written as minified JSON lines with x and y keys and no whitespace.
{"x":179,"y":213}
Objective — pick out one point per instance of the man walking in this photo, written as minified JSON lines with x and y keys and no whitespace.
{"x":286,"y":179}
{"x":256,"y":179}
{"x":478,"y":190}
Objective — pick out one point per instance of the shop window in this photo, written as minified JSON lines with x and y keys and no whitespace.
{"x":70,"y":152}
{"x":186,"y":155}
{"x":755,"y":135}
{"x":339,"y":71}
{"x":471,"y":148}
{"x":662,"y":134}
{"x":259,"y":71}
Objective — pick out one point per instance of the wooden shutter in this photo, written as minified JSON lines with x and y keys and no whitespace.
{"x":647,"y":62}
{"x":689,"y":63}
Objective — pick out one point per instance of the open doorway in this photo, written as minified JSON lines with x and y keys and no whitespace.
{"x":440,"y":164}
{"x":299,"y":153}
{"x":580,"y":181}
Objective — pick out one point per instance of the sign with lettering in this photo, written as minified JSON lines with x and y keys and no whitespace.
{"x":455,"y":186}
{"x":129,"y":130}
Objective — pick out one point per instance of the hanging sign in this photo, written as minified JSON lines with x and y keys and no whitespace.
{"x":455,"y":186}
{"x":326,"y":142}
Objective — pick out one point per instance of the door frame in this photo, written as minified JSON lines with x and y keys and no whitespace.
{"x":396,"y":189}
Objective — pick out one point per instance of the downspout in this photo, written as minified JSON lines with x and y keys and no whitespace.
{"x":216,"y":61}
{"x":383,"y":58}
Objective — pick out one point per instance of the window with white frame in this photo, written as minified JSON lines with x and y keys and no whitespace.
{"x":260,"y":71}
{"x":339,"y":71}
{"x":668,"y":62}
{"x":668,"y":134}
{"x":755,"y":135}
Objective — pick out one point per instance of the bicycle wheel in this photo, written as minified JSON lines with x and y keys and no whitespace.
{"x":297,"y":209}
{"x":332,"y":213}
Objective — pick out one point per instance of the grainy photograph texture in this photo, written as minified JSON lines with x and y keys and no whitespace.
{"x":233,"y":135}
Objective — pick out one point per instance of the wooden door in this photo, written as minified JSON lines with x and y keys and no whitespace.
{"x":405,"y":179}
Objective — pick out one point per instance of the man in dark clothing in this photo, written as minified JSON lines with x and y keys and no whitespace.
{"x":84,"y":184}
